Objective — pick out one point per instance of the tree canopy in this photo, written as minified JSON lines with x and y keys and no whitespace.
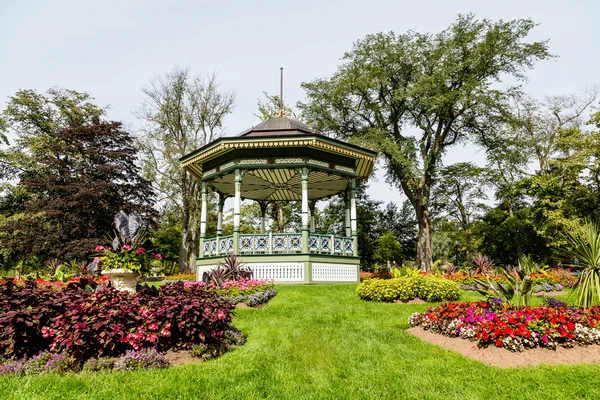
{"x":412,"y":96}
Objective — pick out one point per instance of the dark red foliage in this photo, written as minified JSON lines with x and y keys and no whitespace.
{"x":24,"y":310}
{"x":82,"y":178}
{"x":109,"y":322}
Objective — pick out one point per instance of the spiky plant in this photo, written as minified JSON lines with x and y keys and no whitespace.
{"x":586,"y":248}
{"x":231,"y":269}
{"x":483,"y":265}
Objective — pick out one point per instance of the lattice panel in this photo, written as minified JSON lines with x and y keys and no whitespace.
{"x":334,"y":272}
{"x":279,"y":272}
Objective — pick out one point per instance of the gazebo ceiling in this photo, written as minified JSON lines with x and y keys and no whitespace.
{"x":271,"y":154}
{"x":281,"y":184}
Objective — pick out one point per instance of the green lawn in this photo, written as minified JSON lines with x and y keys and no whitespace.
{"x":322,"y":342}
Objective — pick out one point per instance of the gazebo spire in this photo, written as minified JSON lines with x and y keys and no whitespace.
{"x":281,"y":108}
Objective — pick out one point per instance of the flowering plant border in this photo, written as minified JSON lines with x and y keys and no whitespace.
{"x":514,"y":328}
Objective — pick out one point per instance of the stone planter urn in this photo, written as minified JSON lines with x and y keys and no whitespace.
{"x":122,"y":279}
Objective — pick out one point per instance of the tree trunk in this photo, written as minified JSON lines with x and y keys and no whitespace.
{"x":185,"y":233}
{"x":193,"y":250}
{"x":424,"y":250}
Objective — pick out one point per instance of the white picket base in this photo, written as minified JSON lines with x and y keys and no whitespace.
{"x":322,"y":272}
{"x":279,"y":272}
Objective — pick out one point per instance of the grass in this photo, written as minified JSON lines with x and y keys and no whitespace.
{"x":322,"y":342}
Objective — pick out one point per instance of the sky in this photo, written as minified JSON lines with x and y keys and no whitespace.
{"x":111,"y":49}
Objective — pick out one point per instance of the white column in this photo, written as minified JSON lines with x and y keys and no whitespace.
{"x":203,"y":213}
{"x":347,"y":204}
{"x":305,"y":228}
{"x":353,"y":224}
{"x":237,"y":205}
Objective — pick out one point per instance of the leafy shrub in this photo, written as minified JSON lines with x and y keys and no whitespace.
{"x":433,"y":288}
{"x":430,"y":288}
{"x":24,"y":310}
{"x":388,"y":290}
{"x":108,"y":322}
{"x":140,"y":359}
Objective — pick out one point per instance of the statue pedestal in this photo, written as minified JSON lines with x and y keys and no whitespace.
{"x":122,"y":279}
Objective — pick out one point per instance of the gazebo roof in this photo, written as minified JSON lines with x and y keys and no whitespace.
{"x":278,"y":126}
{"x":272,"y":153}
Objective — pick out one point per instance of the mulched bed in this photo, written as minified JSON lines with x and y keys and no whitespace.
{"x":499,"y":357}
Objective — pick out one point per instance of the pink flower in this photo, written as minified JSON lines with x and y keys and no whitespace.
{"x":158,"y":256}
{"x":47,"y":332}
{"x":126,"y":247}
{"x":139,"y":251}
{"x":152,"y":338}
{"x":153,"y":326}
{"x":221,"y":315}
{"x":165,"y":332}
{"x":145,"y":313}
{"x":99,"y":248}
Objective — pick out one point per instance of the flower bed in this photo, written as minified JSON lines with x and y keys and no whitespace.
{"x":252,"y":292}
{"x":542,"y":281}
{"x":429,"y":288}
{"x":180,"y":277}
{"x":83,"y":325}
{"x":514,"y":328}
{"x":54,"y":284}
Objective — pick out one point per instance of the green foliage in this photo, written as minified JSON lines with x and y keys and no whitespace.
{"x":445,"y":85}
{"x":518,"y":288}
{"x":426,"y":287}
{"x":387,"y":290}
{"x":182,"y":112}
{"x":355,"y":350}
{"x":404,"y":272}
{"x":388,"y":249}
{"x":433,"y":288}
{"x":586,"y":248}
{"x":74,"y":171}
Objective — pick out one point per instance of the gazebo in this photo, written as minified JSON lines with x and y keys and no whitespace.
{"x":282,"y":159}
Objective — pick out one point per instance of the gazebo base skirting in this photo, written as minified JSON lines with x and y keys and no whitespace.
{"x":294,"y":268}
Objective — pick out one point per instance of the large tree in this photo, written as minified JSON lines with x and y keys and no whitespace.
{"x":74,"y":172}
{"x":182,"y":112}
{"x":412,"y":96}
{"x":458,"y":194}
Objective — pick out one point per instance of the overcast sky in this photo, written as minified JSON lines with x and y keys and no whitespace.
{"x":111,"y":49}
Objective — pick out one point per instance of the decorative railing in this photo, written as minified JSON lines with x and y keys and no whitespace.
{"x":330,"y":244}
{"x":218,"y":246}
{"x":279,"y":243}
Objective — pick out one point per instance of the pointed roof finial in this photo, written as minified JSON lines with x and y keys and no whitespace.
{"x":281,"y":109}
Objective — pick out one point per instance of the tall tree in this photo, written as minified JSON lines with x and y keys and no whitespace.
{"x":543,"y":122}
{"x":458,"y":193}
{"x":181,"y":113}
{"x":75,"y":173}
{"x":412,"y":96}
